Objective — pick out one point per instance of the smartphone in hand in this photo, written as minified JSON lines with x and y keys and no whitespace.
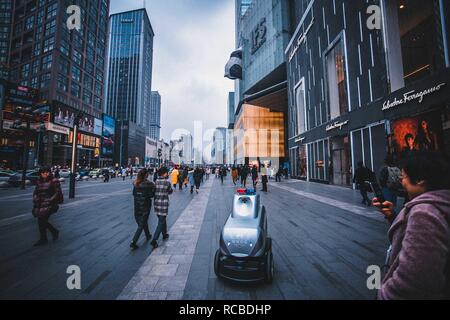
{"x":377,"y":191}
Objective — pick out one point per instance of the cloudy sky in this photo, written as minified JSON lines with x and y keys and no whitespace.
{"x":193,"y":41}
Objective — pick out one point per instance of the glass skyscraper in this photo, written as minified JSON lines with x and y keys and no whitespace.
{"x":130,"y":59}
{"x":5,"y":29}
{"x":155,"y":116}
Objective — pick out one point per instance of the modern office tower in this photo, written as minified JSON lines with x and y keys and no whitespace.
{"x":155,"y":116}
{"x":5,"y":31}
{"x":129,"y":76}
{"x":219,"y":148}
{"x":66,"y":66}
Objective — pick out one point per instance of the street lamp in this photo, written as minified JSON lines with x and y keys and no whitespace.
{"x":76,"y":123}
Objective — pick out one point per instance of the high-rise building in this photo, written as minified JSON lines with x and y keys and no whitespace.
{"x":66,"y":66}
{"x":155,"y":116}
{"x":5,"y":31}
{"x":129,"y":74}
{"x":218,"y":152}
{"x":263,"y":30}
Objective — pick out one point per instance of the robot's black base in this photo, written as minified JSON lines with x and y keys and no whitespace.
{"x":248,"y":269}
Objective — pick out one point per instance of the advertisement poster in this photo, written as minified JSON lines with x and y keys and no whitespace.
{"x":422,"y":133}
{"x":98,"y":127}
{"x":109,"y":128}
{"x":65,"y":116}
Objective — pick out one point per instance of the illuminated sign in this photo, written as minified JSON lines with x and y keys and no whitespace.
{"x":337,"y":125}
{"x":301,"y":39}
{"x":56,"y":128}
{"x":410,"y":96}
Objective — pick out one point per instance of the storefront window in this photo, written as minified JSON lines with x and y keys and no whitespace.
{"x":300,"y":107}
{"x":411,"y":135}
{"x":340,"y":164}
{"x":414,"y":39}
{"x":318,"y":161}
{"x":337,"y":91}
{"x":301,"y":162}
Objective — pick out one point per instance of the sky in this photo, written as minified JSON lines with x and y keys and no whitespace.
{"x":193,"y":41}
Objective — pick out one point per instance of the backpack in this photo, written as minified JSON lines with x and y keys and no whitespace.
{"x":394,"y":178}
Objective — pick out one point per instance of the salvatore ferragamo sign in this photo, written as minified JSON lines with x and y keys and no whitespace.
{"x":336,"y":125}
{"x":411,"y":96}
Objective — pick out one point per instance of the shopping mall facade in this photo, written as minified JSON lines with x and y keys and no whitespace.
{"x":263,"y":30}
{"x":359,"y":91}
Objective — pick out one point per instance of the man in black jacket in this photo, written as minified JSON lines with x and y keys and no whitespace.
{"x":363,"y":174}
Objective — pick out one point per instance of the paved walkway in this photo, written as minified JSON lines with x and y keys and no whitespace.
{"x":356,"y":209}
{"x":164,"y":274}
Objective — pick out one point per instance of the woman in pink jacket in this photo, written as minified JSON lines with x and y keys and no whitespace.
{"x":419,"y":262}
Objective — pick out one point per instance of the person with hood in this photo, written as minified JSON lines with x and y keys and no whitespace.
{"x":143,"y":192}
{"x":162,"y":191}
{"x":419,"y":257}
{"x":46,"y":199}
{"x":174,"y":177}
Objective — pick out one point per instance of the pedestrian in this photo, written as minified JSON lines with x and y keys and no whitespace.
{"x":244,"y":174}
{"x":254,"y":176}
{"x":56,"y":174}
{"x":162,"y":192}
{"x":203,"y":172}
{"x":124,"y":173}
{"x":361,"y":178}
{"x":47,"y":197}
{"x":191,"y":179}
{"x":234,"y":175}
{"x":418,"y":260}
{"x":174,"y":177}
{"x":208,"y":172}
{"x":185,"y":177}
{"x":390,"y":178}
{"x":222,"y":174}
{"x":105,"y":175}
{"x":197,"y":178}
{"x":181,"y":179}
{"x":216,"y":171}
{"x":279,"y":174}
{"x":143,"y":192}
{"x":264,"y":178}
{"x":131,"y":173}
{"x":155,"y":175}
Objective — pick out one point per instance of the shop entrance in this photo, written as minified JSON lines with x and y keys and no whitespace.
{"x":340,"y":167}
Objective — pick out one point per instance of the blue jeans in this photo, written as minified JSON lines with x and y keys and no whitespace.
{"x":161,"y":228}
